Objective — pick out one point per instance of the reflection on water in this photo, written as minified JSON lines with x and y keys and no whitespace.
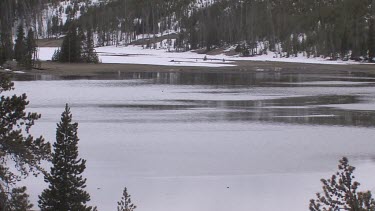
{"x":175,"y":138}
{"x":267,"y":78}
{"x":304,"y":99}
{"x":263,"y":110}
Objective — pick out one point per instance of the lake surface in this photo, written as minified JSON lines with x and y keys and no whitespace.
{"x":211,"y":141}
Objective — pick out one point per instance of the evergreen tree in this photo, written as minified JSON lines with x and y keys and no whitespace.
{"x":77,"y":47}
{"x":12,"y":10}
{"x":90,"y":54}
{"x":55,"y":27}
{"x":31,"y":50}
{"x":17,"y":147}
{"x":2,"y":60}
{"x":71,"y":46}
{"x":20,"y":45}
{"x":19,"y":200}
{"x":371,"y":40}
{"x":66,"y":184}
{"x":6,"y":46}
{"x":126,"y":203}
{"x":56,"y":55}
{"x":340,"y":192}
{"x":81,"y":43}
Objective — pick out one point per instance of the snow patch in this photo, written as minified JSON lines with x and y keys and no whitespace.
{"x":161,"y":56}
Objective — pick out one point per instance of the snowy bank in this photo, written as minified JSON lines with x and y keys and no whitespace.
{"x":139,"y":55}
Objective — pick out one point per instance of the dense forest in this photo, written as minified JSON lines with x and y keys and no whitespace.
{"x":42,"y":19}
{"x":333,"y":29}
{"x":24,"y":12}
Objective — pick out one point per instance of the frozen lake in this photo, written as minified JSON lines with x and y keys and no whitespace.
{"x":211,"y":141}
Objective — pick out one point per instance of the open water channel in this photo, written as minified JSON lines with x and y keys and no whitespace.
{"x":213,"y":141}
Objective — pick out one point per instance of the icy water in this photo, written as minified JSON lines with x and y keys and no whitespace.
{"x":256,"y":141}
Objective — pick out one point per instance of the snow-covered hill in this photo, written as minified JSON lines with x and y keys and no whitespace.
{"x":230,"y":29}
{"x":55,"y":16}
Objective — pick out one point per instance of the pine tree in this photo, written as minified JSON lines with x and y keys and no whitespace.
{"x":91,"y":55}
{"x":20,"y":45}
{"x":80,"y":43}
{"x":15,"y":200}
{"x":55,"y":28}
{"x":371,"y":32}
{"x":71,"y":46}
{"x":66,"y":184}
{"x":340,"y":192}
{"x":30,"y":56}
{"x":56,"y":55}
{"x":19,"y":200}
{"x":6,"y":46}
{"x":77,"y":47}
{"x":126,"y":203}
{"x":371,"y":40}
{"x":17,"y":147}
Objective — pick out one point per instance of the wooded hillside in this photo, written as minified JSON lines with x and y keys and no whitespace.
{"x":334,"y":29}
{"x":330,"y":28}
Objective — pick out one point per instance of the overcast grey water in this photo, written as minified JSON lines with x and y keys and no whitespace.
{"x":211,"y":141}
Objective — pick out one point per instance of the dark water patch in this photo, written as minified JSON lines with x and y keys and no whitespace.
{"x":183,"y":78}
{"x":302,"y":110}
{"x":45,"y":77}
{"x":288,"y":101}
{"x":149,"y":107}
{"x":319,"y":116}
{"x":253,"y":78}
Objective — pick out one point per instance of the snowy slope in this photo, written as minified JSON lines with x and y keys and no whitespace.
{"x":59,"y":10}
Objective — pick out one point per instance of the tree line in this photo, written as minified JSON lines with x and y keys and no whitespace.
{"x":330,"y":28}
{"x":27,"y":15}
{"x":334,"y":29}
{"x":24,"y":13}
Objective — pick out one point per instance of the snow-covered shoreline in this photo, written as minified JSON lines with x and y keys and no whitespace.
{"x":139,"y":55}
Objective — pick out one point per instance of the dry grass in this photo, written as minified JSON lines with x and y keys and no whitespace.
{"x":49,"y":42}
